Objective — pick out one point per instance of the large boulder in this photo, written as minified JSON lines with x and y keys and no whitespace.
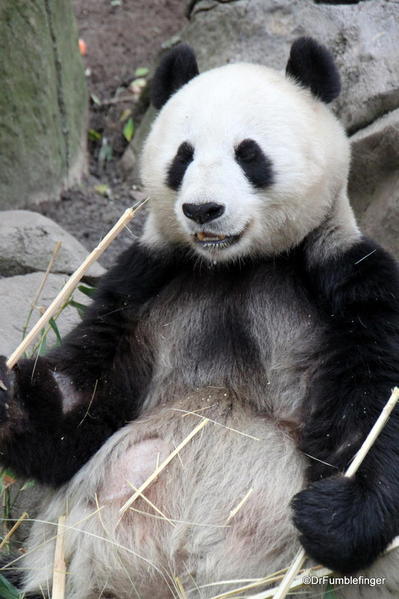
{"x":17,"y":295}
{"x":363,"y":37}
{"x":27,"y":240}
{"x":374,"y":181}
{"x":43,"y":102}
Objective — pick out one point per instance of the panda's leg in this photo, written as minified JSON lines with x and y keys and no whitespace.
{"x":346,"y":523}
{"x":55,"y":412}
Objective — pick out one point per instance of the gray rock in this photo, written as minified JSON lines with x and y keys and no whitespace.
{"x":27,"y":241}
{"x":16,"y":297}
{"x":43,"y":101}
{"x":363,"y":37}
{"x":374,"y":181}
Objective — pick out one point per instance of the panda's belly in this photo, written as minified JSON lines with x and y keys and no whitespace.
{"x":219,"y":510}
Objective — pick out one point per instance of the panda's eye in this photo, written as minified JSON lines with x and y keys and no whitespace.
{"x":257,"y":167}
{"x":185,"y":152}
{"x":179,"y":164}
{"x":247,"y":151}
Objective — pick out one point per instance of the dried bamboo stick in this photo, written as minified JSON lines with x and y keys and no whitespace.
{"x":163,"y":465}
{"x":72,"y":282}
{"x":296,"y":583}
{"x":59,"y":570}
{"x":237,"y":508}
{"x":317,"y":571}
{"x":299,"y":559}
{"x":13,"y":529}
{"x":154,"y":507}
{"x":33,"y":305}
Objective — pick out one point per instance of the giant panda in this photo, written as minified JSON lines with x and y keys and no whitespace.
{"x":252,"y":304}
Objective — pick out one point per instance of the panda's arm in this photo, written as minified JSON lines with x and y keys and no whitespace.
{"x":346,"y":523}
{"x":57,"y":411}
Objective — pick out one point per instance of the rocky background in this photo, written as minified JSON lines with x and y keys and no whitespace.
{"x":120,"y":37}
{"x":123,"y":39}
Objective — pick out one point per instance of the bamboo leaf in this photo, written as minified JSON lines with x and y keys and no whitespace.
{"x":128,"y":130}
{"x":141,"y":72}
{"x":103,"y":189}
{"x":56,"y":330}
{"x":89,"y":291}
{"x":330,"y":592}
{"x":28,"y":485}
{"x":7,"y":590}
{"x":80,"y":307}
{"x":94,"y":135}
{"x":43,"y":343}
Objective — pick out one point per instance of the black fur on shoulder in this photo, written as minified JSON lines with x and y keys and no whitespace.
{"x":313,"y":66}
{"x":176,"y":68}
{"x":347,"y":523}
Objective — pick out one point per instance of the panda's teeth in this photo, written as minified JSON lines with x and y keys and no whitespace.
{"x":203,"y":236}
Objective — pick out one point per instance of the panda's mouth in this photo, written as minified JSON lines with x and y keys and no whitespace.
{"x":212,"y":240}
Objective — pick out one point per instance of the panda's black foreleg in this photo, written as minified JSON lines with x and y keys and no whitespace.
{"x":55,"y":412}
{"x":346,"y":523}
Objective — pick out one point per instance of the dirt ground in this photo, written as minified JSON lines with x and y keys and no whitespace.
{"x":121,"y":36}
{"x":124,"y":35}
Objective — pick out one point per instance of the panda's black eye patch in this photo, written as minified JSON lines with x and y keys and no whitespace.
{"x":256,"y":166}
{"x":179,"y":164}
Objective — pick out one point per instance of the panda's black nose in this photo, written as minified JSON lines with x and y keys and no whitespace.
{"x":203,"y":213}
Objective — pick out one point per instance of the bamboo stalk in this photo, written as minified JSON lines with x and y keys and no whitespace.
{"x":13,"y":529}
{"x":318,"y":571}
{"x":154,"y":507}
{"x":35,"y":300}
{"x":237,"y":508}
{"x":163,"y":465}
{"x":59,"y":570}
{"x":72,"y":282}
{"x":297,"y":583}
{"x":300,"y":557}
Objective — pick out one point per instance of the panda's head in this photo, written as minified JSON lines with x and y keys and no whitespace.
{"x":242,"y":159}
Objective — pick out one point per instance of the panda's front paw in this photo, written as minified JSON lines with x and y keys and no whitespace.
{"x":342,"y":525}
{"x":6,"y":382}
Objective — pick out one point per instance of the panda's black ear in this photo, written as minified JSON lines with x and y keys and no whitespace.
{"x":313,"y":66}
{"x":176,"y":68}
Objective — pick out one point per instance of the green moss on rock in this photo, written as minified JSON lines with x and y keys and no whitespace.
{"x":43,"y":101}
